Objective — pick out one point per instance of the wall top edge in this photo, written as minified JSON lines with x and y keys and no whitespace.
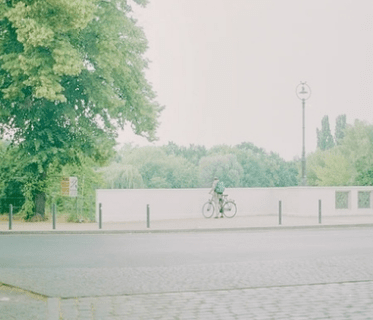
{"x":337,"y":188}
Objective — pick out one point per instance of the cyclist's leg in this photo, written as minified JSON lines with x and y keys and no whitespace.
{"x":216,"y":204}
{"x":221,"y":203}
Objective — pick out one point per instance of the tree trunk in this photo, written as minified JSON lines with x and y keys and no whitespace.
{"x":40,"y":204}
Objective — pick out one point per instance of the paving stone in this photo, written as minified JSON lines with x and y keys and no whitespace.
{"x":314,"y":302}
{"x":21,"y":305}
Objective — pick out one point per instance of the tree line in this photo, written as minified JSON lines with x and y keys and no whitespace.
{"x":342,"y":159}
{"x":173,"y":166}
{"x":133,"y":167}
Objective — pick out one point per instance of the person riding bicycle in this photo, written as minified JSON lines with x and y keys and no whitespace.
{"x":217,"y":192}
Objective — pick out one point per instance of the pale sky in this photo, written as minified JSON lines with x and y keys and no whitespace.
{"x":226,"y":70}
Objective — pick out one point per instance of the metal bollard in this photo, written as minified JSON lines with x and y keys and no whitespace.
{"x":100,"y":215}
{"x":147,"y":216}
{"x":10,"y":217}
{"x":319,"y":211}
{"x":54,"y":215}
{"x":280,"y":212}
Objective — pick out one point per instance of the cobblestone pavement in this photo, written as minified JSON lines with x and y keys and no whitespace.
{"x":19,"y":304}
{"x":328,"y":301}
{"x":87,"y":282}
{"x":350,"y":300}
{"x":327,"y":288}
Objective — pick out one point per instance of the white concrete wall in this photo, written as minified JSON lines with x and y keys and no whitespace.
{"x":119,"y":205}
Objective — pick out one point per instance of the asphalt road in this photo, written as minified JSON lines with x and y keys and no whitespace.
{"x":153,"y":250}
{"x":283,"y":272}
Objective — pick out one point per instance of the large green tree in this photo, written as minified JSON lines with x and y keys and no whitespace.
{"x":340,"y":128}
{"x":71,"y":74}
{"x":349,"y":163}
{"x":357,"y":147}
{"x":324,"y":137}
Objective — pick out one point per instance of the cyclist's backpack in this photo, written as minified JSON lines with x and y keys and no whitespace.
{"x":220,"y":187}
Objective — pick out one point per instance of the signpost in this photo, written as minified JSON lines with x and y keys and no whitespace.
{"x":69,"y":186}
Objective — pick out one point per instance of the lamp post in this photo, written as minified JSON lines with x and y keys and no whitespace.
{"x":303,"y":92}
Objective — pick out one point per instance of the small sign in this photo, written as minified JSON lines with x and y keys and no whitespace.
{"x":73,"y":187}
{"x":69,"y":186}
{"x":65,"y":186}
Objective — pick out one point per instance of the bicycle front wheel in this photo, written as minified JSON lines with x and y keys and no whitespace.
{"x":229,"y":209}
{"x":208,"y":209}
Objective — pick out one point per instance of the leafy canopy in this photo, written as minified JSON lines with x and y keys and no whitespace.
{"x":70,"y":70}
{"x":325,"y":139}
{"x":348,"y":163}
{"x":71,"y":75}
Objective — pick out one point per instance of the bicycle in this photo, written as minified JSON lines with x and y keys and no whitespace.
{"x":228,"y":207}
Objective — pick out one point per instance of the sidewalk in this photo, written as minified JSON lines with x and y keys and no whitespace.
{"x":201,"y":224}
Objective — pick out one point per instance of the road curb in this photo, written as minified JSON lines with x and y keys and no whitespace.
{"x":204,"y":230}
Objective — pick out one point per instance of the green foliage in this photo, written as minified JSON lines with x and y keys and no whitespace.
{"x":350,"y":163}
{"x":364,"y":177}
{"x":18,"y":185}
{"x":254,"y":166}
{"x":265,"y":170}
{"x":157,"y":182}
{"x":71,"y":74}
{"x":155,"y":168}
{"x":314,"y":160}
{"x":120,"y":176}
{"x":340,"y":128}
{"x":225,"y":167}
{"x":329,"y":168}
{"x":29,"y":205}
{"x":12,"y":179}
{"x":221,"y":150}
{"x":193,"y":153}
{"x":280,"y":173}
{"x":252,"y":147}
{"x":357,"y":145}
{"x":324,"y":137}
{"x":47,"y":54}
{"x":172,"y":166}
{"x":89,"y":179}
{"x":10,"y":185}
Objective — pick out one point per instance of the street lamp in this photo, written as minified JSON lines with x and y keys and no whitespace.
{"x":303,"y":92}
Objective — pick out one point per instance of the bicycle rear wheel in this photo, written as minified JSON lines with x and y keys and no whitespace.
{"x":229,"y":209}
{"x":208,"y":209}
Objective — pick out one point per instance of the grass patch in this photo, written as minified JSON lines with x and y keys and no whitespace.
{"x":5,"y":217}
